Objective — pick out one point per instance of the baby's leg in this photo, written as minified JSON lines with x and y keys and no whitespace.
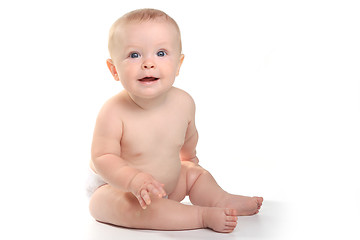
{"x":204,"y":191}
{"x":113,"y":206}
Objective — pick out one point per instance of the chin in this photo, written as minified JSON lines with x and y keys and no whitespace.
{"x":153,"y":93}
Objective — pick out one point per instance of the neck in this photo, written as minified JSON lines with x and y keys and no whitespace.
{"x":148,"y":104}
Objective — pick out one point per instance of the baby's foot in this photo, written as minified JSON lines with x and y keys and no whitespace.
{"x":219,"y":219}
{"x":245,"y":206}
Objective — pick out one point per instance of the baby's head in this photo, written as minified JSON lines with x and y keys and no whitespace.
{"x":137,"y":17}
{"x":145,"y":50}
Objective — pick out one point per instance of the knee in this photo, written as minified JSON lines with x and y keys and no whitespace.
{"x":114,"y":209}
{"x":193,"y":173}
{"x":95,"y":206}
{"x":193,"y":169}
{"x":128,"y":210}
{"x":126,"y":202}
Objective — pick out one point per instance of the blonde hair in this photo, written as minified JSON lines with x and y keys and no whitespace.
{"x":140,"y":15}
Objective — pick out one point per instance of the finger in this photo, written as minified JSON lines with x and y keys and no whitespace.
{"x":163,"y":192}
{"x":145,"y":196}
{"x":152,"y":189}
{"x":156,"y":189}
{"x":160,"y":188}
{"x":142,"y":203}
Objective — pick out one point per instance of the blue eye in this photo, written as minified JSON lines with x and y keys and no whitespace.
{"x":134,"y":55}
{"x":161,"y":53}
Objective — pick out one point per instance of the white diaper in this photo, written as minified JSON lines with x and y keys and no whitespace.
{"x":93,"y":182}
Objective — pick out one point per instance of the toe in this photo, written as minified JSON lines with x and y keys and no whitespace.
{"x":231,"y":219}
{"x":231,"y":224}
{"x":230,"y":212}
{"x":259,"y":201}
{"x":228,"y":229}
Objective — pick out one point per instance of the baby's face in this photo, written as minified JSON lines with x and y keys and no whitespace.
{"x":147,"y":57}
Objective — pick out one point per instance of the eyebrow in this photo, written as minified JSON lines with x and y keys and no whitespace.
{"x":127,"y":48}
{"x":162,"y":45}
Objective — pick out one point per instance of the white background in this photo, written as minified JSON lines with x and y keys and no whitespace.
{"x":278,"y":110}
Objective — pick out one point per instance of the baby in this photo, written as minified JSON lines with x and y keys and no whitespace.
{"x":144,"y":145}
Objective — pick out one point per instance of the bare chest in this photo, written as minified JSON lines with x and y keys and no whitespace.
{"x":160,"y":136}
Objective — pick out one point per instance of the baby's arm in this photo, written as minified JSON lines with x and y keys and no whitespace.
{"x":106,"y":157}
{"x":188,"y":150}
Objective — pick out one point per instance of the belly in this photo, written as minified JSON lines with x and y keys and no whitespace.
{"x":165,"y":171}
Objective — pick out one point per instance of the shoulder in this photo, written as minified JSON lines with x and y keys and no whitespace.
{"x":113,"y":108}
{"x":183,"y":102}
{"x":183,"y":97}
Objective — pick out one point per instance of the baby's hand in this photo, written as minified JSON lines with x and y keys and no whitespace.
{"x":142,"y":185}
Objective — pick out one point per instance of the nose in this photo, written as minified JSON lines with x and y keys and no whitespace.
{"x":148,"y":64}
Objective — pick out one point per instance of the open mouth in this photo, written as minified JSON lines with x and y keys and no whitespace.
{"x":148,"y":79}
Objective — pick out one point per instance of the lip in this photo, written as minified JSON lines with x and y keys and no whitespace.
{"x":148,"y":80}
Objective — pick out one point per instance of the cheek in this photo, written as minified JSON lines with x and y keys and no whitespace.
{"x":128,"y":71}
{"x":170,"y":67}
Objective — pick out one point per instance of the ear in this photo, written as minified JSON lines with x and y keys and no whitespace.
{"x":180,"y":63}
{"x":112,"y":69}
